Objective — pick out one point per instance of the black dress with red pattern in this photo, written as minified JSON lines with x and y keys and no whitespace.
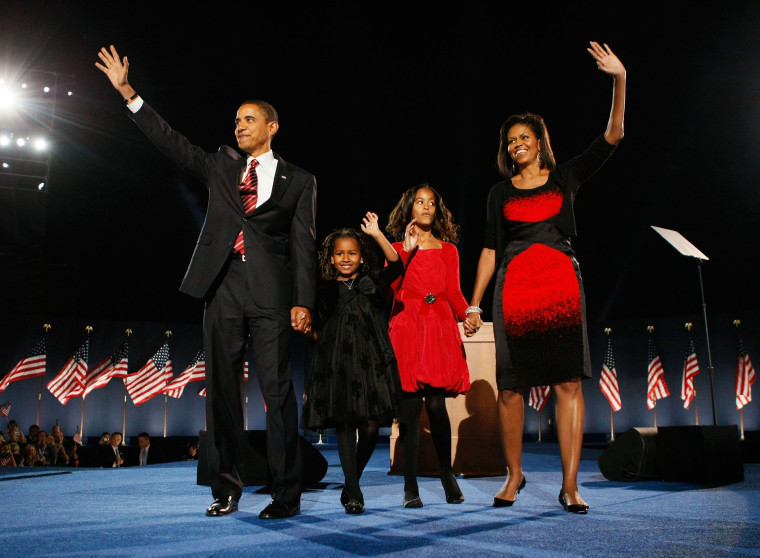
{"x":539,"y":304}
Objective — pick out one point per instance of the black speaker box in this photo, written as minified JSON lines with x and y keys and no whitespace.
{"x":700,"y":454}
{"x":255,"y":467}
{"x":632,"y":456}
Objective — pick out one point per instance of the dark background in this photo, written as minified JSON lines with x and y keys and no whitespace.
{"x":373,"y":99}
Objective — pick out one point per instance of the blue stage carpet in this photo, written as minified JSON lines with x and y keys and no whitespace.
{"x":158,"y":511}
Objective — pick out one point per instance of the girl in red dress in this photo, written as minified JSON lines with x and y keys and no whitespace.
{"x":427,"y":304}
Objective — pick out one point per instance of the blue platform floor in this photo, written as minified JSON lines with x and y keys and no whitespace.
{"x":158,"y":511}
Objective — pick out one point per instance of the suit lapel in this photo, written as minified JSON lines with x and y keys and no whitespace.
{"x":282,"y":178}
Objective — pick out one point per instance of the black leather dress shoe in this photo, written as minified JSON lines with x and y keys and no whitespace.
{"x":280,"y":510}
{"x":222,"y":506}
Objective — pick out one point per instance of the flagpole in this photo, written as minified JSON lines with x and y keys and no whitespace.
{"x":655,"y":413}
{"x":46,"y":327}
{"x":608,"y":331}
{"x":612,"y":426}
{"x":88,"y":329}
{"x":124,"y":421}
{"x":741,"y":424}
{"x":168,"y":334}
{"x":539,"y":426}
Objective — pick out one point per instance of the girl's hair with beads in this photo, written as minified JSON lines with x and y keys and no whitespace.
{"x":327,"y":269}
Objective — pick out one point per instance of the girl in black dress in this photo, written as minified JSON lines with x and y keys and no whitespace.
{"x":353,"y":383}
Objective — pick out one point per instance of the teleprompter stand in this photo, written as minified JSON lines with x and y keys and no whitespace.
{"x":686,"y":248}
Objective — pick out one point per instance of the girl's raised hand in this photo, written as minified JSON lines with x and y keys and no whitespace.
{"x":412,"y":236}
{"x":370,"y":225}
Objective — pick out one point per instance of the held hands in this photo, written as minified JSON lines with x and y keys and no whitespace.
{"x":116,"y":69}
{"x":412,"y":236}
{"x":300,"y":319}
{"x":472,"y":324}
{"x":606,"y":60}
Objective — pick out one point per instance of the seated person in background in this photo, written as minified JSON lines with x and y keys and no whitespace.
{"x":71,"y":452}
{"x":31,"y":458}
{"x":40,"y":442}
{"x":6,"y":456}
{"x":16,"y":451}
{"x":105,"y":439}
{"x":192,"y":452}
{"x":148,"y":455}
{"x":110,"y":455}
{"x":51,"y":450}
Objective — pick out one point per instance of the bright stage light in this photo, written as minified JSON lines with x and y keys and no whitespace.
{"x":41,"y":186}
{"x":5,"y":140}
{"x":40,"y":144}
{"x":21,"y":142}
{"x":6,"y":165}
{"x":24,"y":86}
{"x":6,"y":97}
{"x":46,"y":89}
{"x":70,"y":93}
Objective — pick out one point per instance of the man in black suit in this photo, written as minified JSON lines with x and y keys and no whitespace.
{"x":109,"y":455}
{"x":148,"y":455}
{"x":255,"y":267}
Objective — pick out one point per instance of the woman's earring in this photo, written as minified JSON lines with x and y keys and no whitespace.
{"x":514,"y":168}
{"x":540,"y":162}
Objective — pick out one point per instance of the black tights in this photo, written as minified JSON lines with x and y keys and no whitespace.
{"x":355,"y":456}
{"x":409,"y":435}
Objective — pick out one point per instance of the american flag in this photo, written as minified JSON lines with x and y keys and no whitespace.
{"x":70,"y":380}
{"x":656,"y":386}
{"x":151,"y":378}
{"x":202,"y":391}
{"x":608,"y":381}
{"x":193,"y":373}
{"x":690,"y":370}
{"x":31,"y":366}
{"x":538,"y":397}
{"x":114,"y":366}
{"x":5,"y":409}
{"x":745,"y":376}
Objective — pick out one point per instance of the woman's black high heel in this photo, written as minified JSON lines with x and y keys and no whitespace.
{"x":572,"y":508}
{"x":503,"y":502}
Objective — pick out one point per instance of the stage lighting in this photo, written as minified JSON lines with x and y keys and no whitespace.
{"x":41,"y":186}
{"x":40,"y":144}
{"x":21,"y":142}
{"x":46,"y":89}
{"x":4,"y":140}
{"x":6,"y":165}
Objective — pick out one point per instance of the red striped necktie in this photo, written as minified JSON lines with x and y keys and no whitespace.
{"x":249,"y":193}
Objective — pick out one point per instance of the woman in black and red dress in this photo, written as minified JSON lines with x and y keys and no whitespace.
{"x":539,"y":306}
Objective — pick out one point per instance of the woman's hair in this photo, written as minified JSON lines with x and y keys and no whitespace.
{"x":327,"y":269}
{"x":536,"y":124}
{"x":443,"y":227}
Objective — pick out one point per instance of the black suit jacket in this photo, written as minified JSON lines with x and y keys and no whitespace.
{"x":279,"y":234}
{"x":106,"y":456}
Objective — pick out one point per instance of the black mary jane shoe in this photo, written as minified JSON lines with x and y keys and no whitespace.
{"x":354,"y":507}
{"x":412,"y":500}
{"x":572,"y":508}
{"x":503,"y":502}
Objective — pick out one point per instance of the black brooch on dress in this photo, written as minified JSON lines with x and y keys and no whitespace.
{"x":430,"y":298}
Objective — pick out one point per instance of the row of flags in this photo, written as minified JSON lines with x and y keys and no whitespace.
{"x":657,"y":388}
{"x":75,"y":379}
{"x":156,"y":376}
